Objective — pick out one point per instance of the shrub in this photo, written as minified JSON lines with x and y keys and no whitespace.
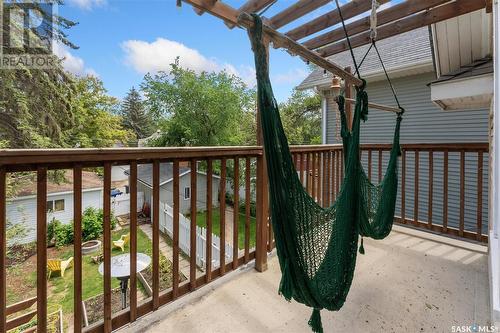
{"x":63,"y":234}
{"x":92,"y":226}
{"x":253,"y":208}
{"x":51,"y":228}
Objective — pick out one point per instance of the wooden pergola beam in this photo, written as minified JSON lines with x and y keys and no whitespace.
{"x":252,"y":6}
{"x":231,"y":15}
{"x":281,"y":40}
{"x":217,"y":9}
{"x":385,"y":16}
{"x":349,"y":10}
{"x":295,"y":11}
{"x":434,"y":15}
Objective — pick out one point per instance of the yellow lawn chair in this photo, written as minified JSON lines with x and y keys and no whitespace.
{"x":58,"y":265}
{"x":122,"y":242}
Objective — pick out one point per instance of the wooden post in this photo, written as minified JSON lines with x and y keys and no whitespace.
{"x":262,"y":199}
{"x":41,"y":248}
{"x":348,"y":94}
{"x":133,"y":240}
{"x":3,"y":251}
{"x":156,"y":234}
{"x":77,"y":248}
{"x":106,"y":239}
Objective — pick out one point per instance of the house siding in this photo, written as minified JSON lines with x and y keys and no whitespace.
{"x":166,"y":192}
{"x":23,"y":210}
{"x":424,"y":122}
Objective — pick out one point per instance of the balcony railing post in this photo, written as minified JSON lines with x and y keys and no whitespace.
{"x":262,"y":232}
{"x":3,"y":251}
{"x":41,"y":242}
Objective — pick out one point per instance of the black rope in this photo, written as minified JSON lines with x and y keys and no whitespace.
{"x":364,"y":57}
{"x":348,"y":40}
{"x":387,"y":76}
{"x":267,"y":7}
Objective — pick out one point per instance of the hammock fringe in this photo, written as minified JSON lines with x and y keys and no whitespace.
{"x":315,"y":321}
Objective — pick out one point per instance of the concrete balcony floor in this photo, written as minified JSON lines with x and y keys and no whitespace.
{"x":410,"y":282}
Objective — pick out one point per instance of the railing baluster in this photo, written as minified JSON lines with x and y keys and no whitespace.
{"x":416,"y":187}
{"x":77,"y":248}
{"x":209,"y":221}
{"x":479,"y":195}
{"x":107,"y":246}
{"x":462,"y":194}
{"x":133,"y":240}
{"x":192,"y":229}
{"x":403,"y":183}
{"x":41,"y":248}
{"x":3,"y":250}
{"x":236,"y":212}
{"x":323,"y":180}
{"x":222,"y":206}
{"x":302,"y":167}
{"x":380,"y":157}
{"x":156,"y":234}
{"x":327,"y":184}
{"x":341,"y":167}
{"x":247,"y":210}
{"x":445,"y":192}
{"x":370,"y":164}
{"x":334,"y":175}
{"x":313,"y":180}
{"x":308,"y":182}
{"x":175,"y":241}
{"x":431,"y":188}
{"x":337,"y":172}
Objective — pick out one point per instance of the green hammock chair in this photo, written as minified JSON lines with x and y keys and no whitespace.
{"x":317,"y":246}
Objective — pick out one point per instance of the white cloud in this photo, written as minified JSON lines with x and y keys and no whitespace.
{"x":157,"y":56}
{"x":87,"y":4}
{"x":293,"y":76}
{"x":72,"y":63}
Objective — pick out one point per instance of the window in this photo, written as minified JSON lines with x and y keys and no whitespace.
{"x":187,"y":193}
{"x":55,"y":205}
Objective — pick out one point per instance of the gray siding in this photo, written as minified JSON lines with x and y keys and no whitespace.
{"x":425,"y":123}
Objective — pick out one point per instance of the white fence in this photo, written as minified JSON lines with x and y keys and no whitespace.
{"x":167,"y":225}
{"x":121,"y":203}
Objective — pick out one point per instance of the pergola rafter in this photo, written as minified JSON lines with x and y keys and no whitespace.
{"x":399,"y":18}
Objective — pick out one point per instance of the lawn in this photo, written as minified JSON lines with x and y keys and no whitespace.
{"x":60,"y":290}
{"x":201,"y":220}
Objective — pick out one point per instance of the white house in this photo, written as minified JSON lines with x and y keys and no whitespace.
{"x":145,"y":185}
{"x":22,"y":208}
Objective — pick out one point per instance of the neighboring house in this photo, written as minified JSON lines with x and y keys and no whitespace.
{"x":145,"y":185}
{"x":421,"y":66}
{"x":22,"y":208}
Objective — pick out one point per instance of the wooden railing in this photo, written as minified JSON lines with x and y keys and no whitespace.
{"x":452,"y":183}
{"x":450,"y":198}
{"x":245,"y":162}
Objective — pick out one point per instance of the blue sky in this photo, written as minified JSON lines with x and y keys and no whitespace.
{"x":121,"y":40}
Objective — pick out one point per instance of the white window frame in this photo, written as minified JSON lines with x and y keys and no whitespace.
{"x":51,"y":204}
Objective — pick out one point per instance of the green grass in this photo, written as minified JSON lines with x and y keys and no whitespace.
{"x":201,"y":221}
{"x":61,"y":289}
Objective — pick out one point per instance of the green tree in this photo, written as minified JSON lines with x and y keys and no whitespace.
{"x":301,"y":118}
{"x":35,"y":104}
{"x":206,"y":109}
{"x":135,"y":116}
{"x":95,"y":121}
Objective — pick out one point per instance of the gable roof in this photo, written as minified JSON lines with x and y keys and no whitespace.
{"x":410,"y":49}
{"x":145,"y":173}
{"x":90,"y":180}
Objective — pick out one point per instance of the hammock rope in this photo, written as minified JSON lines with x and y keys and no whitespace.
{"x":316,"y":246}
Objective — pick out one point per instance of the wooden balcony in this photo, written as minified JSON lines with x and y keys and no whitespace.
{"x":443,"y":189}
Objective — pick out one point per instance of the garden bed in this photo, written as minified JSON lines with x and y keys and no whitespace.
{"x":94,"y":307}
